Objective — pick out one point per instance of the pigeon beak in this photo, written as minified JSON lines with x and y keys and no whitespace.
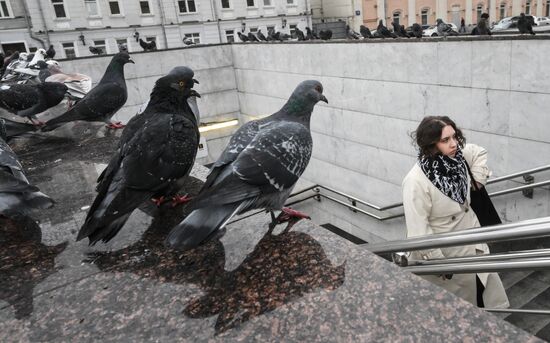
{"x":197,"y":82}
{"x":323,"y":98}
{"x":194,"y":93}
{"x":131,"y":61}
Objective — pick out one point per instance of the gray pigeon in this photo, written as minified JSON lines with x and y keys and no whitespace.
{"x":103,"y":100}
{"x":365,"y":32}
{"x":261,"y":36}
{"x":525,"y":25}
{"x":444,"y":29}
{"x":50,"y":53}
{"x":351,"y":34}
{"x":417,"y":30}
{"x":242,"y":37}
{"x":160,"y":153}
{"x":27,"y":100}
{"x":300,"y":34}
{"x":258,"y":169}
{"x":17,"y":196}
{"x":252,"y":37}
{"x":383,"y":31}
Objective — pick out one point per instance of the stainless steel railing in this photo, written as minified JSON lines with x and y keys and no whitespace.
{"x":353,"y":201}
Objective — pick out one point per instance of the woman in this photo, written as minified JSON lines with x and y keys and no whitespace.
{"x":436,"y":199}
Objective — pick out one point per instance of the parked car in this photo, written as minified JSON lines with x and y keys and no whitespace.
{"x":424,"y":27}
{"x":512,"y":23}
{"x":432,"y":30}
{"x":542,"y":21}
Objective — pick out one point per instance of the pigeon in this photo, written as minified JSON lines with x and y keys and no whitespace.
{"x":122,"y":47}
{"x":104,"y":100}
{"x":525,"y":25}
{"x":8,"y":60}
{"x":160,"y":153}
{"x":15,"y":129}
{"x":299,"y":34}
{"x":310,"y":34}
{"x":79,"y":84}
{"x":17,"y":196}
{"x":96,"y":51}
{"x":136,"y":36}
{"x":365,"y":32}
{"x":417,"y":30}
{"x":383,"y":31}
{"x":258,"y":169}
{"x":242,"y":37}
{"x":399,"y":30}
{"x":350,"y":34}
{"x":444,"y":29}
{"x":188,"y":41}
{"x":261,"y":36}
{"x":252,"y":37}
{"x":325,"y":34}
{"x":482,"y":27}
{"x":27,"y":100}
{"x":50,"y":53}
{"x":148,"y":46}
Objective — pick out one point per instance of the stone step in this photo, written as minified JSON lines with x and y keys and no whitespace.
{"x":528,"y":288}
{"x":511,"y":278}
{"x":533,"y":323}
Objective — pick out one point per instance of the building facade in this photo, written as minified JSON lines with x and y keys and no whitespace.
{"x":71,"y":26}
{"x":408,"y":12}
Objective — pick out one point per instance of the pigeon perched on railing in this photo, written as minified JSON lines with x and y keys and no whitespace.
{"x":365,"y":32}
{"x":96,"y":51}
{"x":350,"y":34}
{"x":444,"y":29}
{"x":383,"y":31}
{"x":310,"y":34}
{"x":325,"y":34}
{"x":28,"y":100}
{"x":242,"y":37}
{"x":103,"y":101}
{"x":525,"y":25}
{"x":261,"y":36}
{"x":299,"y":34}
{"x":156,"y":156}
{"x":148,"y":46}
{"x":399,"y":30}
{"x":252,"y":37}
{"x":17,"y":196}
{"x":258,"y":169}
{"x":50,"y":53}
{"x":417,"y":30}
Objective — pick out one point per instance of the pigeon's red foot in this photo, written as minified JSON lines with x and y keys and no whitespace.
{"x":37,"y":122}
{"x":180,"y":199}
{"x":158,"y":201}
{"x":288,"y":214}
{"x":117,"y":125}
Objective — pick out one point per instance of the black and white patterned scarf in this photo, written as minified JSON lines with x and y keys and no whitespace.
{"x":448,"y":174}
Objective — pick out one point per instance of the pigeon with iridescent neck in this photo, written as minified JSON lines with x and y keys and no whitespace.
{"x":258,"y":169}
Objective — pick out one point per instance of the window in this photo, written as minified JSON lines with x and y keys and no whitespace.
{"x":59,"y":9}
{"x":479,"y":11}
{"x":502,"y":10}
{"x":396,"y":17}
{"x":230,"y":36}
{"x":145,"y":9}
{"x":187,"y":6}
{"x":226,"y":4}
{"x":100,"y":44}
{"x":250,"y":3}
{"x":33,"y":49}
{"x":267,"y":3}
{"x":151,"y":39}
{"x":547,"y":8}
{"x":4,"y":9}
{"x":424,"y":16}
{"x":290,"y":2}
{"x":527,"y":7}
{"x":253,"y":29}
{"x":115,"y":8}
{"x":122,"y":42}
{"x":91,"y":7}
{"x":69,"y":49}
{"x":195,"y":37}
{"x":292,"y":29}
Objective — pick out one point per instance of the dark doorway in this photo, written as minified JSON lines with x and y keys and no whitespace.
{"x":13,"y":47}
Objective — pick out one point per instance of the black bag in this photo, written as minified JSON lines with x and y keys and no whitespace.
{"x":481,"y":203}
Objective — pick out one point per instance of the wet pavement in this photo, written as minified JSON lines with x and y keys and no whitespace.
{"x":251,"y":284}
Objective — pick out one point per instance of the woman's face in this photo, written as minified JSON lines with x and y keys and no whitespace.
{"x":448,"y":143}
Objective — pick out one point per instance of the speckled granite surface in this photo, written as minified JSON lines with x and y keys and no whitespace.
{"x":304,"y":284}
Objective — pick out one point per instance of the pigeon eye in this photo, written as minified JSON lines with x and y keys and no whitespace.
{"x":319,"y":89}
{"x":181,"y":83}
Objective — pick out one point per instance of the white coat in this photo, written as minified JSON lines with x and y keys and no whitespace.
{"x":428,"y":211}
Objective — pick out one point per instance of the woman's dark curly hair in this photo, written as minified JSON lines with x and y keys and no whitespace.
{"x":428,"y":133}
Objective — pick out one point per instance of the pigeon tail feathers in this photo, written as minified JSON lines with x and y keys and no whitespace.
{"x":200,"y":224}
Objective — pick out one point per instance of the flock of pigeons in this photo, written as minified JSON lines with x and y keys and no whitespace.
{"x":157,"y":150}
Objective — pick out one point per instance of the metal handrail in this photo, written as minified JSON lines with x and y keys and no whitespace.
{"x":353,"y":199}
{"x":481,"y":267}
{"x":518,"y":310}
{"x":485,"y":258}
{"x":539,"y":227}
